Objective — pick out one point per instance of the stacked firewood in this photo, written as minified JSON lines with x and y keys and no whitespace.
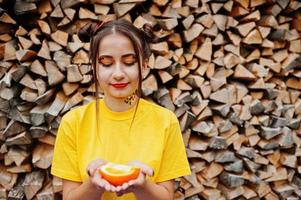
{"x":229,"y":69}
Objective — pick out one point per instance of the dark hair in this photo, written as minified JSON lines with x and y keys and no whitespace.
{"x":140,"y":38}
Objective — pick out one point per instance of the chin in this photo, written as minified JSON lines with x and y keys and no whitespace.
{"x":120,"y":96}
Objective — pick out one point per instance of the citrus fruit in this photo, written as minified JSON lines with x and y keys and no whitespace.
{"x":117,"y":174}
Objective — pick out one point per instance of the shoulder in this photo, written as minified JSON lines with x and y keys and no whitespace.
{"x":158,"y":111}
{"x":79,"y":112}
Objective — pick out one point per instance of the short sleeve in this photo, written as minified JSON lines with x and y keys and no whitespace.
{"x":65,"y":159}
{"x":174,"y":161}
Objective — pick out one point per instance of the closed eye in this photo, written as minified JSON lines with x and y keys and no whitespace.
{"x":105,"y":61}
{"x":129,"y":59}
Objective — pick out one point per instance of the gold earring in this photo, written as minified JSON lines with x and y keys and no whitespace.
{"x":131,"y":98}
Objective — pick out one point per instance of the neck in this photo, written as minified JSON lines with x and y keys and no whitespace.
{"x":118,"y":105}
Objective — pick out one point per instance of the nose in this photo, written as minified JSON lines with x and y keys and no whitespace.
{"x":118,"y":73}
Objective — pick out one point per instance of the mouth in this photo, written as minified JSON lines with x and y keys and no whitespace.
{"x":120,"y":85}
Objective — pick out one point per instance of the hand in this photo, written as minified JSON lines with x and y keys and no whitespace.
{"x":138,"y":182}
{"x":96,"y":178}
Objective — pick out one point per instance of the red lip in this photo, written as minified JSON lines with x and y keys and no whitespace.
{"x":120,"y":85}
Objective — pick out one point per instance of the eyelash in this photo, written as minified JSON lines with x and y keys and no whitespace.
{"x":127,"y":64}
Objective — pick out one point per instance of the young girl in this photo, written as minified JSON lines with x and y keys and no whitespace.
{"x":121,"y":127}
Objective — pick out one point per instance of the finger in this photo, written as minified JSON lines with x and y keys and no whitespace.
{"x":99,"y":181}
{"x":92,"y":167}
{"x":107,"y":187}
{"x":118,"y":188}
{"x":148,"y":171}
{"x":144,"y":168}
{"x":112,"y":188}
{"x":131,"y":182}
{"x":102,"y":184}
{"x":124,"y":186}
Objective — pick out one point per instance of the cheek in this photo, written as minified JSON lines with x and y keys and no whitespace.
{"x":134,"y":73}
{"x":102,"y":75}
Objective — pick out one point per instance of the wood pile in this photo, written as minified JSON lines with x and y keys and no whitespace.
{"x":229,"y":69}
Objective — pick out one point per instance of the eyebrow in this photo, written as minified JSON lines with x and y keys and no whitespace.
{"x":125,"y":55}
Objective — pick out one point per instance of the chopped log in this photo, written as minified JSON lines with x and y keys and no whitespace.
{"x":188,"y":21}
{"x":86,"y":14}
{"x":57,"y":184}
{"x":54,"y":74}
{"x":60,"y":37}
{"x":42,"y":156}
{"x":164,"y":98}
{"x":73,"y":74}
{"x":223,"y":96}
{"x":54,"y":47}
{"x":22,"y":7}
{"x":38,"y":131}
{"x":73,"y":101}
{"x":69,"y":88}
{"x":205,"y":51}
{"x":122,"y":9}
{"x":253,"y":37}
{"x":211,"y":193}
{"x":62,"y":60}
{"x":56,"y":106}
{"x":217,"y":142}
{"x":44,"y":51}
{"x":57,"y":12}
{"x":47,"y":139}
{"x":8,"y":179}
{"x":269,"y":133}
{"x":45,"y":28}
{"x":33,"y":183}
{"x":25,"y":55}
{"x":28,"y":94}
{"x":149,"y":85}
{"x":216,"y":83}
{"x":244,"y":29}
{"x":162,"y":63}
{"x":25,"y":43}
{"x":196,"y":144}
{"x":98,"y":9}
{"x":37,"y":114}
{"x":193,"y":32}
{"x":46,"y":193}
{"x":212,"y":171}
{"x":28,"y":82}
{"x":160,"y":48}
{"x":44,"y":98}
{"x":38,"y":68}
{"x":231,"y":180}
{"x":242,"y":73}
{"x":224,"y":157}
{"x":20,"y":139}
{"x":220,"y":21}
{"x":81,"y":57}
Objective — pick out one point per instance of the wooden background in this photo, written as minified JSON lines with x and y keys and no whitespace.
{"x":230,"y":70}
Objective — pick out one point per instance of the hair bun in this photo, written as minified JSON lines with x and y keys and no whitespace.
{"x":86,"y":32}
{"x":148,"y":32}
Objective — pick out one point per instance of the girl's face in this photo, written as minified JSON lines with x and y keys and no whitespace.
{"x":117,"y":67}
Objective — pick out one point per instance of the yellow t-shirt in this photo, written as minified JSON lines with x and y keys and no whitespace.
{"x":155,"y":139}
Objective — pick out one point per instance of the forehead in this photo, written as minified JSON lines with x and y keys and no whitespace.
{"x":116,"y":43}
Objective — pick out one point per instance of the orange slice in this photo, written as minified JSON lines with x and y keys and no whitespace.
{"x":117,"y":174}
